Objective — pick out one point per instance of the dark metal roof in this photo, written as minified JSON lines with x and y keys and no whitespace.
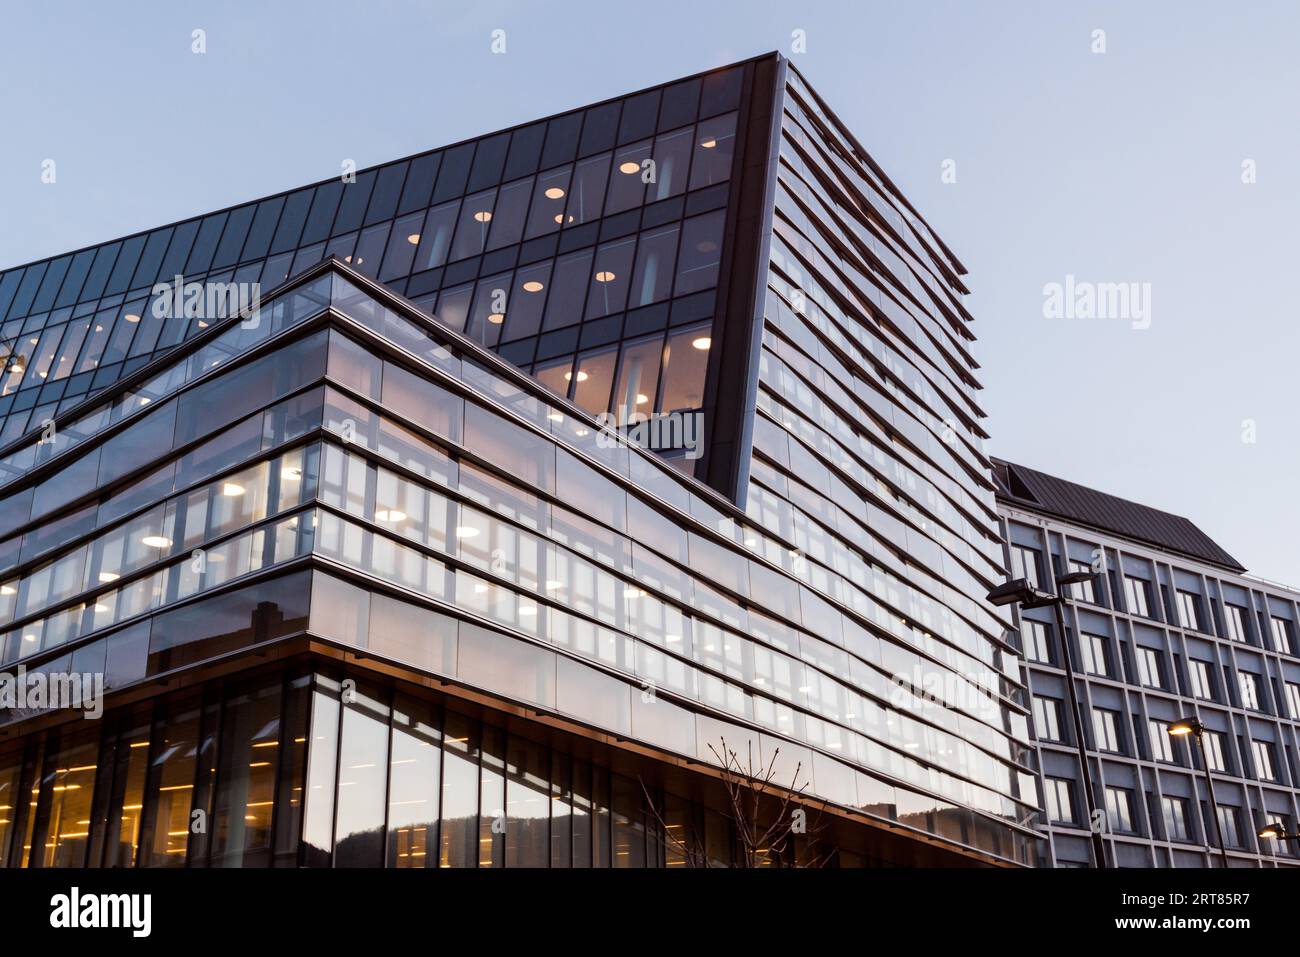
{"x":1020,"y":485}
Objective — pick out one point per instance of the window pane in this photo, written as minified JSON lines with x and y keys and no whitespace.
{"x":685,"y":362}
{"x":414,"y":787}
{"x":609,"y":278}
{"x":652,"y":280}
{"x":361,"y":787}
{"x":626,"y":186}
{"x":588,"y":193}
{"x":527,"y":299}
{"x":672,"y":156}
{"x":435,"y":240}
{"x":472,"y":229}
{"x":569,"y":285}
{"x":638,"y":378}
{"x":508,"y":219}
{"x":594,"y":378}
{"x":548,"y":202}
{"x":697,"y":266}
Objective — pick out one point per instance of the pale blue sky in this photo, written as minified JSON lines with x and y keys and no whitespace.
{"x":1124,"y":166}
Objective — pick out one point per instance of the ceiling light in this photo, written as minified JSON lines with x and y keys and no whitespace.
{"x":702,"y":343}
{"x":413,"y":239}
{"x":629,"y":167}
{"x":109,"y":576}
{"x":642,"y":398}
{"x":129,"y":317}
{"x":7,"y":589}
{"x":483,"y":216}
{"x":390,"y":515}
{"x":562,"y":219}
{"x":156,"y":541}
{"x":466,"y":531}
{"x":291,"y":473}
{"x":582,"y":376}
{"x":232,"y":489}
{"x":533,"y":286}
{"x":605,"y":276}
{"x":709,"y":143}
{"x":497,"y":318}
{"x":554,"y":193}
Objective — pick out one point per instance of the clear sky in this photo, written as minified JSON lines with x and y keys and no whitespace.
{"x":1122,"y":166}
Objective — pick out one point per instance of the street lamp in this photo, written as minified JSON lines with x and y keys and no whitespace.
{"x":1020,"y":592}
{"x":1277,"y":832}
{"x":1192,"y":726}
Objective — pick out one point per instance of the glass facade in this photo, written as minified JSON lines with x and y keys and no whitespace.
{"x":585,"y":248}
{"x":341,"y":474}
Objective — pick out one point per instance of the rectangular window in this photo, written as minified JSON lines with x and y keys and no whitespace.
{"x":1228,"y":818}
{"x":1263,"y":760}
{"x":1293,"y":698}
{"x":1060,"y":805}
{"x":1024,"y":564}
{"x":1212,"y":742}
{"x":1236,"y":620}
{"x":1119,"y":810}
{"x":1162,"y":746}
{"x":1105,"y":729}
{"x":1047,"y":718}
{"x":1093,"y":649}
{"x":1034,"y":636}
{"x":1083,"y":591}
{"x":1281,"y":635}
{"x":1175,"y":814}
{"x":1188,"y":613}
{"x":1135,"y":590}
{"x":1148,"y":664}
{"x":1249,"y":690}
{"x":1199,"y":673}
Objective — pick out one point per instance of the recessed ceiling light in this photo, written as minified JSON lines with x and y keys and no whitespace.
{"x":7,"y":589}
{"x":109,"y":576}
{"x":232,"y":489}
{"x":582,"y":376}
{"x":496,"y":318}
{"x":413,"y":239}
{"x":709,"y":143}
{"x":129,"y":317}
{"x":533,"y":286}
{"x":702,"y":343}
{"x":390,"y":515}
{"x":483,"y":216}
{"x":642,"y":398}
{"x":562,"y":219}
{"x":605,"y":276}
{"x":466,"y":531}
{"x":555,"y":193}
{"x":156,"y":541}
{"x":629,"y":167}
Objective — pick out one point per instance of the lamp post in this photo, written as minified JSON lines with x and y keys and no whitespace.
{"x":1277,"y":832}
{"x":1192,"y":726}
{"x":1020,"y":592}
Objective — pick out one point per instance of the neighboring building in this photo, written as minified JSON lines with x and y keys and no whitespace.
{"x":369,"y":583}
{"x":1170,"y":627}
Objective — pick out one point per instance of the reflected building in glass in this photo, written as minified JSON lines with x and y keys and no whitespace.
{"x":383,"y":572}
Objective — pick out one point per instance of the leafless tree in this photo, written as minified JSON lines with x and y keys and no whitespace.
{"x":767,"y":817}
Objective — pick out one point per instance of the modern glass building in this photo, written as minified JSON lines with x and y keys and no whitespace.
{"x":385,"y":570}
{"x":1169,"y":627}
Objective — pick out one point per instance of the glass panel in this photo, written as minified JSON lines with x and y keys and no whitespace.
{"x":638,"y":379}
{"x":610,"y":278}
{"x":685,"y":360}
{"x":547,"y":211}
{"x":701,"y":250}
{"x":594,"y":379}
{"x":359,"y":827}
{"x":241,"y":827}
{"x":627,"y":179}
{"x":588,"y":194}
{"x":172,"y":775}
{"x":413,"y":800}
{"x":472,"y":229}
{"x":672,"y":156}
